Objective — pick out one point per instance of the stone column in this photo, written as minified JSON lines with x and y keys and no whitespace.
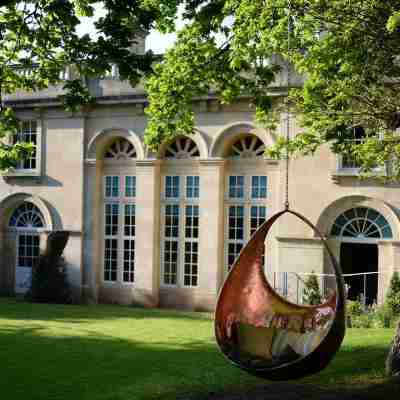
{"x":147,"y":254}
{"x":211,"y":246}
{"x":388,"y":262}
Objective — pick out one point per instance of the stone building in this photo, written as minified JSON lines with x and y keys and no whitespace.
{"x":162,"y":229}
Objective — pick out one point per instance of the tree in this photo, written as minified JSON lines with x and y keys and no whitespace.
{"x":348,"y":53}
{"x":393,"y":295}
{"x":38,"y":40}
{"x":312,"y":293}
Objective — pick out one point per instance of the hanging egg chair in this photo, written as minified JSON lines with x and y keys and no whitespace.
{"x":264,"y":333}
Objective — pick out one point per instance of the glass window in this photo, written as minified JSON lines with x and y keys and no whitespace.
{"x":28,"y":250}
{"x":191,"y":264}
{"x":192,"y":187}
{"x":236,"y":222}
{"x":170,"y":261}
{"x":257,"y":217}
{"x":130,"y":186}
{"x":236,"y":187}
{"x":110,"y":260}
{"x":172,"y":221}
{"x":192,"y":222}
{"x":111,"y":219}
{"x":259,"y":187}
{"x":233,"y":251}
{"x":27,"y":134}
{"x":129,"y":260}
{"x":172,"y":187}
{"x":112,"y":186}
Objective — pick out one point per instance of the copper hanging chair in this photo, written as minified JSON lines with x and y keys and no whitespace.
{"x":265,"y":334}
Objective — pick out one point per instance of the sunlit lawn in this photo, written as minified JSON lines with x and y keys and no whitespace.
{"x":112,"y":352}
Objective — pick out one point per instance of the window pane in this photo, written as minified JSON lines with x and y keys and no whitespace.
{"x":110,"y":259}
{"x":172,"y":186}
{"x":111,"y":219}
{"x":258,"y":187}
{"x":130,"y":186}
{"x":192,"y":187}
{"x":172,"y":220}
{"x":236,"y":187}
{"x":129,"y":260}
{"x":170,"y":262}
{"x":27,"y":134}
{"x":112,"y":186}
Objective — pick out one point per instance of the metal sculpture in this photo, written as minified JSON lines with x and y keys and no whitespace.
{"x":266,"y":335}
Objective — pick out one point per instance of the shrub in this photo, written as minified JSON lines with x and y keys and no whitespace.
{"x":312,"y":293}
{"x":354,"y":307}
{"x":393,"y":296}
{"x":50,"y":283}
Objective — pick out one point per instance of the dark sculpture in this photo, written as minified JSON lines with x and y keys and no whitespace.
{"x":266,"y":335}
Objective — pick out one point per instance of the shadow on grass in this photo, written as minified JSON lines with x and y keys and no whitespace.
{"x":293,"y":391}
{"x":36,"y":365}
{"x":10,"y":308}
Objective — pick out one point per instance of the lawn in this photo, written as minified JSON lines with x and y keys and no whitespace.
{"x":112,"y":352}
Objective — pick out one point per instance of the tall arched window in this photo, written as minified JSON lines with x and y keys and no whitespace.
{"x":28,"y":222}
{"x":119,"y":193}
{"x":246,"y":193}
{"x":180,"y":214}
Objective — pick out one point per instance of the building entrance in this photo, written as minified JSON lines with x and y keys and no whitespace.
{"x":358,"y":258}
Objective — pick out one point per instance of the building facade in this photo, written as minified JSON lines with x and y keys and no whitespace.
{"x":163,"y":229}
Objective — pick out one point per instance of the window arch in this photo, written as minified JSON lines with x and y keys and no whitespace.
{"x":120,"y":149}
{"x":182,"y":148}
{"x":27,"y":216}
{"x":362,"y":223}
{"x":248,"y":146}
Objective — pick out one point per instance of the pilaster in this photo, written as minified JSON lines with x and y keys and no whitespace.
{"x":147,"y":233}
{"x":211,"y":249}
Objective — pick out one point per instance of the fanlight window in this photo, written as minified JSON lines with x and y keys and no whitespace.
{"x":249,"y":146}
{"x":27,"y":215}
{"x":182,"y":148}
{"x":121,"y":149}
{"x":362,"y":223}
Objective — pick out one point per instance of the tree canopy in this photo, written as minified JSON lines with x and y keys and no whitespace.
{"x":347,"y":52}
{"x":38,"y":39}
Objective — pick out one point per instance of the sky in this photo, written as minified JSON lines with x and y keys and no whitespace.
{"x":154,"y":41}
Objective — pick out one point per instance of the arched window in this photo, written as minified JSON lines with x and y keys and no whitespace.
{"x":119,"y":212}
{"x":248,"y":146}
{"x":180,"y":215}
{"x":120,"y":149}
{"x":28,"y":216}
{"x":246,"y":194}
{"x":182,"y":148}
{"x":362,"y":223}
{"x":28,"y":221}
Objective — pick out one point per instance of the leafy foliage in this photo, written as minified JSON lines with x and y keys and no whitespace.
{"x":347,"y":53}
{"x":312,"y":293}
{"x":393,"y":295}
{"x":50,"y":283}
{"x":38,"y":39}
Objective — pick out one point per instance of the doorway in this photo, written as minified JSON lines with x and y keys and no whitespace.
{"x":357,"y":258}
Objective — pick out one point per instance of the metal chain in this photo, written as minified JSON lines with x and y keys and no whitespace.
{"x":287,"y":205}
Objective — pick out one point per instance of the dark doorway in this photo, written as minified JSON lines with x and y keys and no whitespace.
{"x":357,"y":258}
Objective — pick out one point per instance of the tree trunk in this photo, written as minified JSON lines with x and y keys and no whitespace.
{"x":393,"y":359}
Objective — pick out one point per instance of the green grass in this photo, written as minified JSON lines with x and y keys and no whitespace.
{"x":111,"y":352}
